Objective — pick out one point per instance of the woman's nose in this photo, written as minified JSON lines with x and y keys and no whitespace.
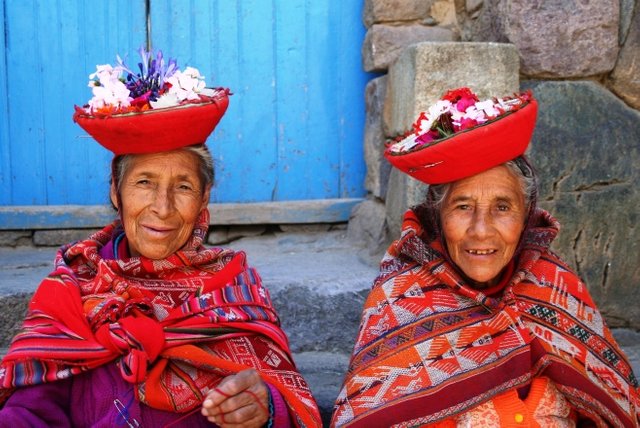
{"x":162,"y":203}
{"x":481,"y":223}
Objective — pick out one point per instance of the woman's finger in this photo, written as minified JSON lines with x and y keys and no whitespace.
{"x":238,"y":399}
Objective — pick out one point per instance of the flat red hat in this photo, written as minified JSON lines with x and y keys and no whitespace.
{"x":468,"y":151}
{"x":156,"y":130}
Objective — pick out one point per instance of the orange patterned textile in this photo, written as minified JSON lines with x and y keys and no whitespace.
{"x":431,"y":348}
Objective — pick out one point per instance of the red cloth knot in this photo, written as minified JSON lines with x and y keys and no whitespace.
{"x":138,"y":338}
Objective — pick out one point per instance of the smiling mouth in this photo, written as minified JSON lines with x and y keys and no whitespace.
{"x":157,"y":229}
{"x":481,"y":252}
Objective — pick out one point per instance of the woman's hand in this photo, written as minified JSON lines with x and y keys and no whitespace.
{"x":240,"y":400}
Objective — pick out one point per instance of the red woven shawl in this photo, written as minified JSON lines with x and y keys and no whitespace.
{"x":431,"y":347}
{"x":198,"y":308}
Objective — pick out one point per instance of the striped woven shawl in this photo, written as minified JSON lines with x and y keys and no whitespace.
{"x":175,"y":327}
{"x":431,"y":347}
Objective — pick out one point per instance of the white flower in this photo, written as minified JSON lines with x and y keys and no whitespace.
{"x":108,"y":90}
{"x":106,"y":75}
{"x":114,"y":94}
{"x":165,"y":100}
{"x":441,"y":106}
{"x":489,"y":108}
{"x":187,"y":84}
{"x":404,"y":145}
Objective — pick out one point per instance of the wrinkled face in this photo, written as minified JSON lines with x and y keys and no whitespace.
{"x":482,"y":219}
{"x":161,"y":196}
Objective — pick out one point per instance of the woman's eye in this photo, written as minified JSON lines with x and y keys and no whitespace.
{"x":463,"y":207}
{"x":143,"y":182}
{"x":503,"y":207}
{"x":185,"y":187}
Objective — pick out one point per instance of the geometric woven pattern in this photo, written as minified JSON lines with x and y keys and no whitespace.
{"x":430,"y":347}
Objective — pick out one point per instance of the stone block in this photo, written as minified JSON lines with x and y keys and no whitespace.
{"x":14,"y":238}
{"x":305,"y":228}
{"x":56,"y":238}
{"x":585,"y":148}
{"x":566,"y":39}
{"x":403,"y":192}
{"x":425,"y":71}
{"x":624,"y":81}
{"x":570,"y":39}
{"x":380,"y":11}
{"x":384,"y":43}
{"x":218,"y":235}
{"x":378,"y":167}
{"x":368,"y":226}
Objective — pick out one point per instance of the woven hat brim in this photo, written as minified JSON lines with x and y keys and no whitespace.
{"x":157,"y":130}
{"x":472,"y":151}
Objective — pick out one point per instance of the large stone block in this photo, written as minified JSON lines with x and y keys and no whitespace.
{"x":379,"y":11}
{"x":13,"y":238}
{"x":586,"y":150}
{"x":625,"y":78}
{"x":425,"y":71}
{"x":571,"y":38}
{"x":384,"y":43}
{"x":368,"y":227}
{"x":555,"y":39}
{"x":58,"y":237}
{"x":378,"y":167}
{"x":403,"y":193}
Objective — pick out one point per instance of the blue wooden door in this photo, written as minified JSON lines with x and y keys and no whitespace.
{"x":51,"y":46}
{"x":293,"y":129}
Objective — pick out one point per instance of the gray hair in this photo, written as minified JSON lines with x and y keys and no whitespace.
{"x":519,"y":167}
{"x":122,"y":163}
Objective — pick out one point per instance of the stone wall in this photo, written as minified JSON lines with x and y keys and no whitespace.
{"x":582,"y":62}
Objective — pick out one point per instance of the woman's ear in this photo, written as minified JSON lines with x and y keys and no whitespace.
{"x":113,"y":194}
{"x":205,"y":198}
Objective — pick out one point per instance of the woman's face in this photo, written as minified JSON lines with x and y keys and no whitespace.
{"x":161,"y":196}
{"x":482,"y":219}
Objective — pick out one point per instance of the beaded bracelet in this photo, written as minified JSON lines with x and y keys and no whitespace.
{"x":272,"y":409}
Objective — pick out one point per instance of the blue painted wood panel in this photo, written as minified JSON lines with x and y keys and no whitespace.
{"x":295,"y":123}
{"x":51,"y":47}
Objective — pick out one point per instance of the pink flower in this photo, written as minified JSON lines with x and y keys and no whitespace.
{"x":465,"y":103}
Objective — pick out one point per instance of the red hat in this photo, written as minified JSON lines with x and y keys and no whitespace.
{"x":460,"y":136}
{"x":156,"y":130}
{"x":160,"y":108}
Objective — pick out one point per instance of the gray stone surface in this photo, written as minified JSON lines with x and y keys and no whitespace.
{"x":380,"y":11}
{"x":378,"y":167}
{"x":22,"y":268}
{"x":572,"y":38}
{"x":58,"y":237}
{"x":425,"y":71}
{"x":555,"y":39}
{"x":368,"y":227}
{"x":222,"y":235}
{"x":14,"y":238}
{"x":624,"y":81}
{"x":403,"y":193}
{"x":627,"y":12}
{"x":586,"y":150}
{"x":384,"y":43}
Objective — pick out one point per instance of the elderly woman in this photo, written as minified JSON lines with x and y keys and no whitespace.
{"x":473,"y":321}
{"x":140,"y":324}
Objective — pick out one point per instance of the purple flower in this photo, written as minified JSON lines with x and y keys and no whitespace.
{"x":151,"y":81}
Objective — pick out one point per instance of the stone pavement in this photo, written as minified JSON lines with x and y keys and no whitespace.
{"x":318,"y":282}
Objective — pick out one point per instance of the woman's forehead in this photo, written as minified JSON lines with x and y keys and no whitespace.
{"x":495,"y":183}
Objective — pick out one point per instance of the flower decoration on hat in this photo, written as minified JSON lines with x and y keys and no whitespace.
{"x":460,"y":136}
{"x":157,"y":108}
